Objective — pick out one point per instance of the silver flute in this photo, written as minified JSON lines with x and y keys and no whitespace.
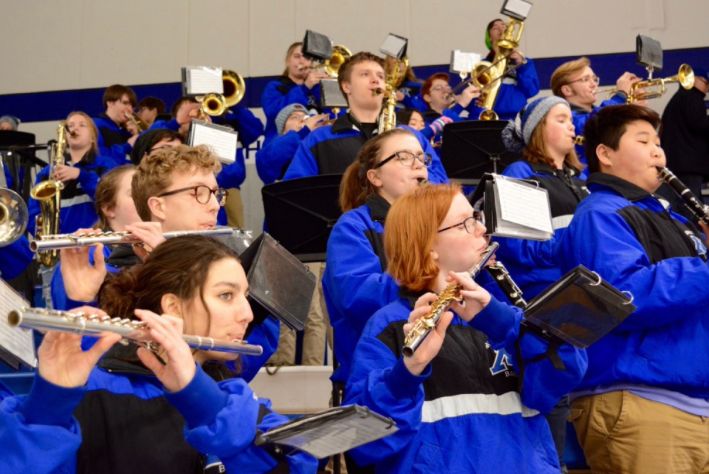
{"x":64,"y":241}
{"x":451,"y":293}
{"x":42,"y":319}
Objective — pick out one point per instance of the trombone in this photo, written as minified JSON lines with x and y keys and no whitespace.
{"x":215,"y":104}
{"x":13,"y":216}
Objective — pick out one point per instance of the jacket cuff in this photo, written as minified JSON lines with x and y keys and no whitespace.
{"x":402,"y":383}
{"x":200,"y":401}
{"x":304,"y":132}
{"x":496,"y":320}
{"x":49,"y":404}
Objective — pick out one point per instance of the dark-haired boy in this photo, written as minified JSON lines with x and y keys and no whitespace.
{"x":643,"y":405}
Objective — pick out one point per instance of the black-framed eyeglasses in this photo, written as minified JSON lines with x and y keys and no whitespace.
{"x":468,"y":223}
{"x":406,"y":158}
{"x":202,"y":193}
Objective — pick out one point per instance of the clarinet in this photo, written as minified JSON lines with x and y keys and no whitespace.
{"x":696,"y":207}
{"x":131,"y":330}
{"x":508,"y":286}
{"x":450,"y":294}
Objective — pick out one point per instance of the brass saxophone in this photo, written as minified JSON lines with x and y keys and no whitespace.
{"x":394,"y":77}
{"x":49,"y":195}
{"x":450,"y":294}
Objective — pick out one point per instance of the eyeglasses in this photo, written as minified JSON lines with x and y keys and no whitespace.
{"x":468,"y":223}
{"x":406,"y":158}
{"x":201,"y":193}
{"x":441,"y":88}
{"x":586,"y":79}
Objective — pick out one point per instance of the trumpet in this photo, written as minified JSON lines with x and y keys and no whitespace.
{"x":139,"y":123}
{"x":451,"y":293}
{"x":42,"y":319}
{"x":695,"y":206}
{"x":46,"y":243}
{"x":653,"y":88}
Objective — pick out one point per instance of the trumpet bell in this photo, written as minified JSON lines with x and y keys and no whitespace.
{"x":339,"y":55}
{"x":685,"y":76}
{"x":213,"y":104}
{"x":13,"y":216}
{"x":234,"y":87}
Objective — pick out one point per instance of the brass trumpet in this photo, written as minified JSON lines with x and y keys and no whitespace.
{"x":131,"y":330}
{"x":653,"y":88}
{"x":139,"y":124}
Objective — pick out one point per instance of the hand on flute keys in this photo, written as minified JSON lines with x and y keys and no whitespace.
{"x":61,"y":360}
{"x":178,"y":368}
{"x":82,"y":280}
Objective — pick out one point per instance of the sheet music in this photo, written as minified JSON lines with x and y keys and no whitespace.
{"x":18,"y":342}
{"x":202,"y":80}
{"x":524,"y":205}
{"x":221,"y":140}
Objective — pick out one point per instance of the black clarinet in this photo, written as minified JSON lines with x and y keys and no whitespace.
{"x":507,"y":284}
{"x":696,"y":207}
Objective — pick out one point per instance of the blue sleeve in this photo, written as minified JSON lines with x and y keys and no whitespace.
{"x":662,"y":289}
{"x":249,"y":126}
{"x":542,"y":384}
{"x":381,"y":382}
{"x":354,"y":281}
{"x":273,"y":100}
{"x":527,"y":79}
{"x":436,"y":172}
{"x":619,"y":98}
{"x":273,"y":158}
{"x":304,"y":163}
{"x":233,"y":174}
{"x":223,"y":420}
{"x":15,"y":258}
{"x":265,"y":334}
{"x":38,"y":432}
{"x":168,"y":124}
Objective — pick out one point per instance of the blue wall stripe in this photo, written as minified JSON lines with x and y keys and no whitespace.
{"x":55,"y":105}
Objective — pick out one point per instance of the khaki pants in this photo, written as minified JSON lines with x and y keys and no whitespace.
{"x":234,"y":209}
{"x":623,"y":433}
{"x":315,"y":332}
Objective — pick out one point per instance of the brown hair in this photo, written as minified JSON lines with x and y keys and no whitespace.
{"x":355,"y":187}
{"x":410,"y":231}
{"x":290,"y":50}
{"x":608,"y":126}
{"x":152,"y":103}
{"x":344,"y":74}
{"x":563,"y":74}
{"x":166,"y":270}
{"x":536,"y":151}
{"x":92,"y":127}
{"x":428,"y":83}
{"x":115,"y":92}
{"x":106,"y":192}
{"x":178,"y":103}
{"x":155,"y":172}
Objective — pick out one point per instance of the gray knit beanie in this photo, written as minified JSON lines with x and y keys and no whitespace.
{"x":535,"y":111}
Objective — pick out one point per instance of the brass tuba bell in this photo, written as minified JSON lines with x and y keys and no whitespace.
{"x":13,"y":216}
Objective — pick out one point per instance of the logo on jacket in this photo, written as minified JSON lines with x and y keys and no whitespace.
{"x":502,"y":362}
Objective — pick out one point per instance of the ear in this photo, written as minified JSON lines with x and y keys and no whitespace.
{"x":170,"y":304}
{"x":566,"y":90}
{"x":603,"y":154}
{"x":109,"y":212}
{"x":157,"y":207}
{"x":427,"y":98}
{"x":347,"y":87}
{"x":434,"y":255}
{"x":373,"y":177}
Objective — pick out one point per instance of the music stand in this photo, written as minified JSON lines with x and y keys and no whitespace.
{"x":473,"y":148}
{"x":300,"y":214}
{"x":18,"y":149}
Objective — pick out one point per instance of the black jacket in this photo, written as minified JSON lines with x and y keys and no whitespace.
{"x":685,"y":133}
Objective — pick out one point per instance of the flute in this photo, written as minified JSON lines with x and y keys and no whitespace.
{"x":131,"y":330}
{"x":696,"y":207}
{"x":424,"y":325}
{"x":64,"y":241}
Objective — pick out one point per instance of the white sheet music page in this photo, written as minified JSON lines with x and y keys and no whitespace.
{"x":203,"y":80}
{"x":221,"y":140}
{"x":524,"y":204}
{"x":18,"y":342}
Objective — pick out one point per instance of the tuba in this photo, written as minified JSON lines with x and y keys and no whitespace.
{"x":653,"y":88}
{"x":487,"y":76}
{"x":48,"y":194}
{"x":13,"y":216}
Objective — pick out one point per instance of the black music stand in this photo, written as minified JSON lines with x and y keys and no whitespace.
{"x":18,"y":149}
{"x":300,"y":214}
{"x":474,"y":147}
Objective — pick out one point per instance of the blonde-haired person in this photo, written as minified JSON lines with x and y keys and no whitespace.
{"x":80,"y":171}
{"x":460,"y":402}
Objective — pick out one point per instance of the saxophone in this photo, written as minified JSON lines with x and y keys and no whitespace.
{"x":48,"y":194}
{"x":396,"y":71}
{"x":451,"y":293}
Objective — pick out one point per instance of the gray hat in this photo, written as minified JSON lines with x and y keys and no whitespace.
{"x":285,"y":113}
{"x":14,"y":121}
{"x":535,"y":111}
